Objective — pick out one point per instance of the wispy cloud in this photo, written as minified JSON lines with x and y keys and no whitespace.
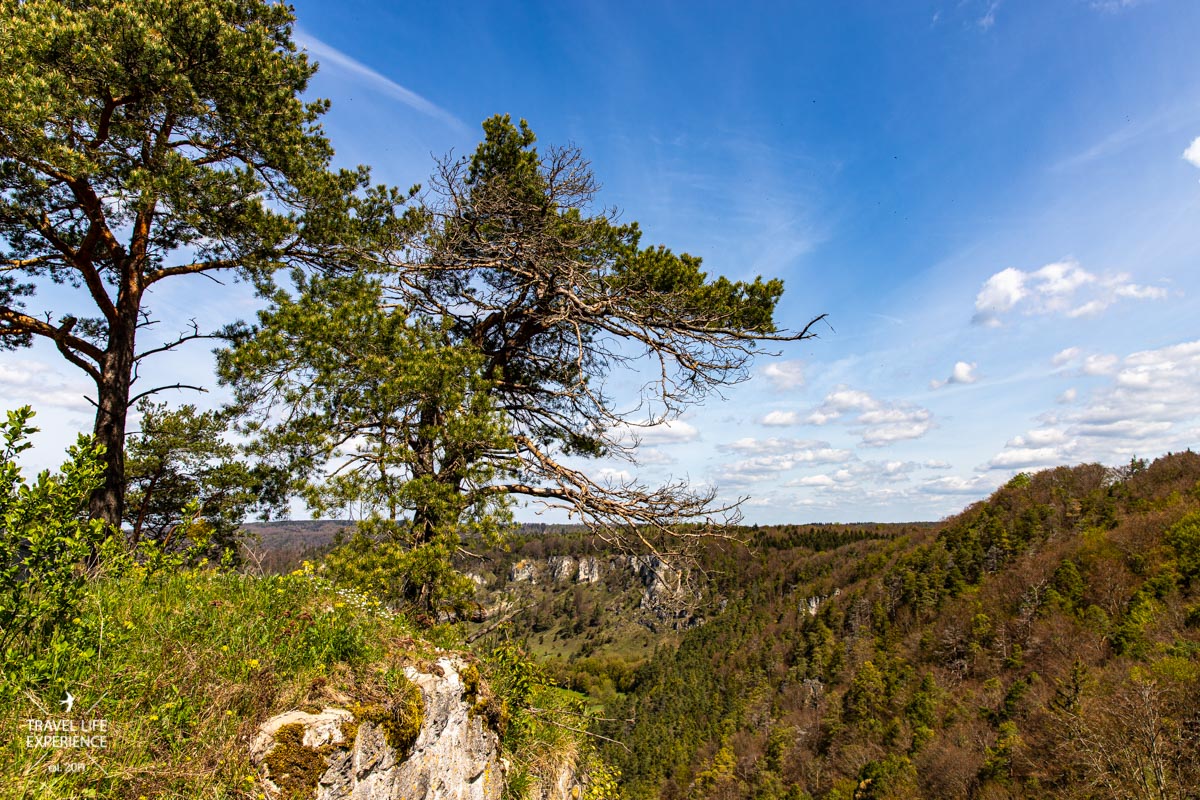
{"x":989,"y":17}
{"x":329,"y":56}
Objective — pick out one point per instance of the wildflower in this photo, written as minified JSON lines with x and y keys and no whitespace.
{"x":154,"y":717}
{"x":252,"y":663}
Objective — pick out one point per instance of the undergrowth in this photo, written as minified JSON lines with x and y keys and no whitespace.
{"x":183,"y":666}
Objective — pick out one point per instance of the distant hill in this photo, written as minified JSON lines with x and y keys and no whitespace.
{"x":281,"y":545}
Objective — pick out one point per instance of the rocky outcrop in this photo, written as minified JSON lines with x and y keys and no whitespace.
{"x":588,"y":570}
{"x":426,"y":744}
{"x":562,"y":568}
{"x":524,"y":571}
{"x":813,"y":604}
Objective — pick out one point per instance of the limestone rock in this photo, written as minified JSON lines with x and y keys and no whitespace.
{"x":340,"y":756}
{"x":524,"y":571}
{"x":589,"y":570}
{"x":562,"y":568}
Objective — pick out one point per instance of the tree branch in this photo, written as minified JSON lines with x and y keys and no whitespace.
{"x":157,"y":389}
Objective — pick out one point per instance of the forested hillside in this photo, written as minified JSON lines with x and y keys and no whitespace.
{"x":1045,"y":642}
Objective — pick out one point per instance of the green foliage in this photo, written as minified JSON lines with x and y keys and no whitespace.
{"x":379,"y":557}
{"x":152,"y":139}
{"x":386,"y":418}
{"x":187,"y":490}
{"x":182,"y":663}
{"x":45,"y":544}
{"x":1184,"y":539}
{"x":1012,"y":651}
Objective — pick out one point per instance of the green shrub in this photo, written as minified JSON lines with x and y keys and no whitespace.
{"x":45,"y":544}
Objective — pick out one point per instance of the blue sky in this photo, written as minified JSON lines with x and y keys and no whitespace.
{"x":997,"y":203}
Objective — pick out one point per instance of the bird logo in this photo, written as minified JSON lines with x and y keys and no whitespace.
{"x":69,"y":702}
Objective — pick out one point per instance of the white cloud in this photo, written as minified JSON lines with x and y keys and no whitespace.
{"x":612,"y":477}
{"x":1040,"y":437}
{"x":1026,"y":457}
{"x":781,"y":418}
{"x":1068,"y":396}
{"x":840,"y":401}
{"x":767,"y":457}
{"x":799,"y":450}
{"x":957,"y":485}
{"x":989,"y":18}
{"x":674,"y":431}
{"x":1146,"y":405}
{"x":879,"y":423}
{"x":1064,"y":357}
{"x":1000,"y":293}
{"x":1192,"y":153}
{"x":1099,"y":365}
{"x":328,"y":55}
{"x":914,"y":425}
{"x":34,"y":383}
{"x":961,"y":373}
{"x":1062,"y":287}
{"x":652,"y":456}
{"x":813,"y":480}
{"x":785,"y":374}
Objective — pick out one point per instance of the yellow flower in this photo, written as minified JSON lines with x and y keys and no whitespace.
{"x":154,"y":717}
{"x":224,"y":648}
{"x":252,"y":663}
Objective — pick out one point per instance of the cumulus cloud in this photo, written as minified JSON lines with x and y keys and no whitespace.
{"x":880,"y":423}
{"x":785,"y":374}
{"x":839,"y":402}
{"x":1145,"y":405}
{"x":977,"y":485}
{"x":1099,"y":365}
{"x":763,"y":458}
{"x":961,"y":373}
{"x":1068,"y":396}
{"x":674,"y":431}
{"x":781,"y":419}
{"x":609,"y":476}
{"x":1192,"y":153}
{"x":652,"y":456}
{"x":1062,"y":287}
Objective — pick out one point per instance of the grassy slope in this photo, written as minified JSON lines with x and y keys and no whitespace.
{"x":184,"y":666}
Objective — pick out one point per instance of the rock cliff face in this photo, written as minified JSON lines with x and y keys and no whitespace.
{"x":424,"y":746}
{"x":666,"y":593}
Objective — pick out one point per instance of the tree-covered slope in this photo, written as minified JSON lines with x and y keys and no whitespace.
{"x":1045,"y":642}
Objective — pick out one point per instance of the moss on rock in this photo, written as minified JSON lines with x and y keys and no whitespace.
{"x":294,"y":766}
{"x":400,"y":720}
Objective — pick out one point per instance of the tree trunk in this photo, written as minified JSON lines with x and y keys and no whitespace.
{"x":112,"y":404}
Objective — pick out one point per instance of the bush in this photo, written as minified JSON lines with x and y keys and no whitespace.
{"x":46,"y":541}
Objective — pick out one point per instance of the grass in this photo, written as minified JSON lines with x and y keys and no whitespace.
{"x":183,"y":667}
